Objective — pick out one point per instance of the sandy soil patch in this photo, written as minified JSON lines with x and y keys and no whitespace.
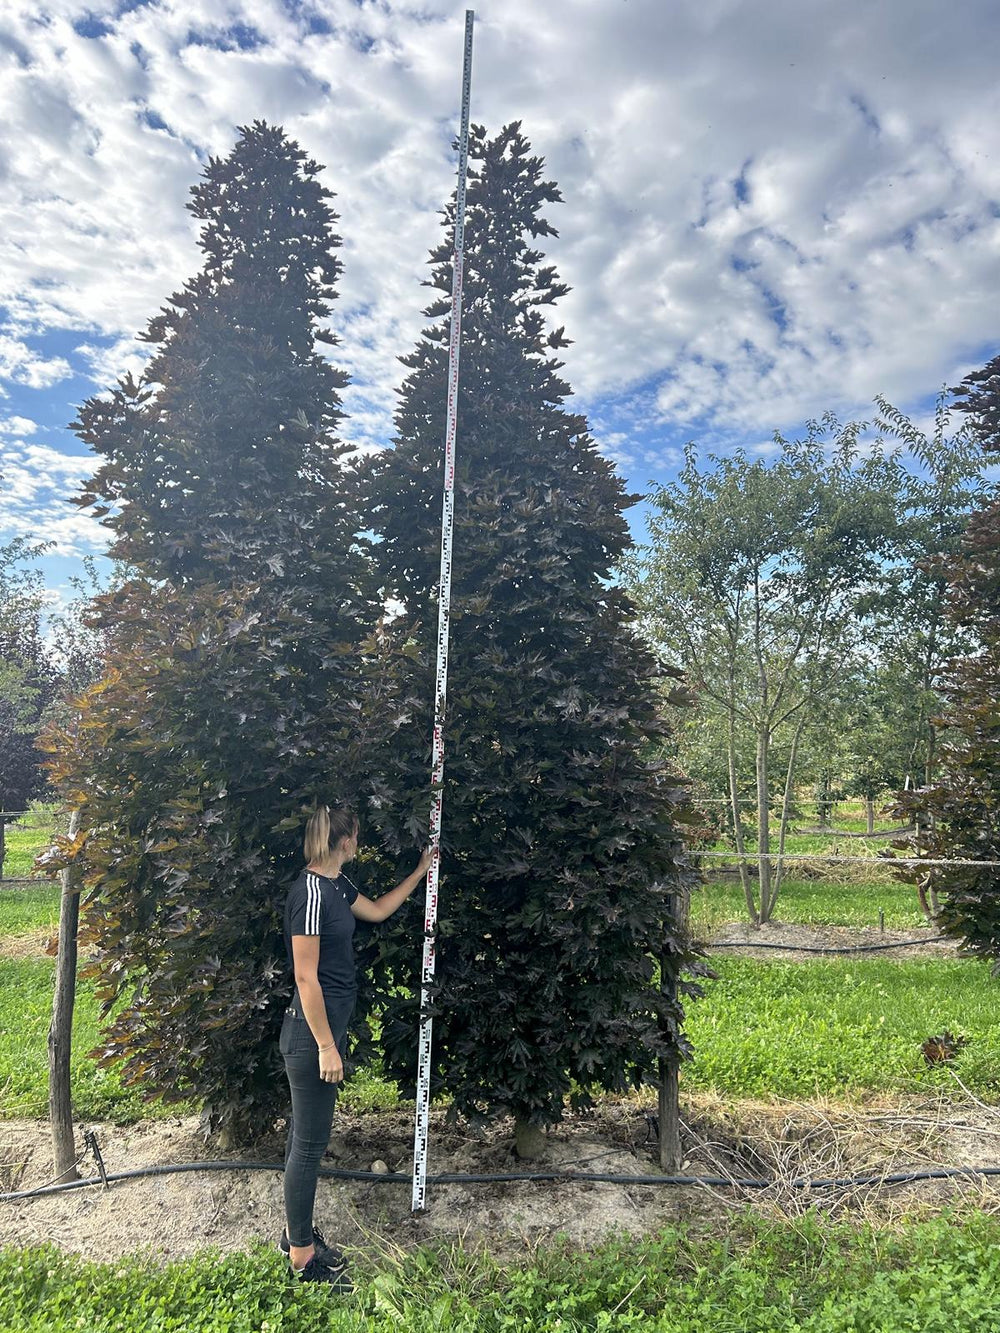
{"x":784,"y":1142}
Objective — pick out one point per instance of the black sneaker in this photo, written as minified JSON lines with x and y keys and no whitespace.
{"x":315,"y":1271}
{"x":328,"y":1255}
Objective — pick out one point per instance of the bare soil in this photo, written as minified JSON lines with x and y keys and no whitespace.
{"x":827,"y":937}
{"x":785,"y":1142}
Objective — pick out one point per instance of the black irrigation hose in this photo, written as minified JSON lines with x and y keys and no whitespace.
{"x":567,"y":1177}
{"x":806,"y":948}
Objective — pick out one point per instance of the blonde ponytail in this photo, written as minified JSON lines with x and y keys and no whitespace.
{"x":325,"y":829}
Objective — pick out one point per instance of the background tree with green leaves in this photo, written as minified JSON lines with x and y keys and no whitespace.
{"x":561,"y":843}
{"x":28,"y":678}
{"x":914,"y":637}
{"x":756,"y":584}
{"x":232,"y":691}
{"x":959,"y":809}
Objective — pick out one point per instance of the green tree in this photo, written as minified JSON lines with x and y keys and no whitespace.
{"x":914,"y":636}
{"x":27,"y":676}
{"x":756,"y":585}
{"x":561,"y":848}
{"x":958,"y":809}
{"x":231,"y":694}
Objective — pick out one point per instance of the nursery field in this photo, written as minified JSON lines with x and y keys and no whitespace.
{"x":822,"y":1042}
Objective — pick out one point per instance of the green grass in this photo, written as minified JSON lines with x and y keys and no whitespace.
{"x":24,"y":840}
{"x":25,"y":1014}
{"x":98,"y":1094}
{"x":940,"y":1276}
{"x":842,"y":1029}
{"x":839,"y":1029}
{"x":813,"y":902}
{"x":23,"y":910}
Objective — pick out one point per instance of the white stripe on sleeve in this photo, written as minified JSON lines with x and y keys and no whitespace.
{"x":314,"y":901}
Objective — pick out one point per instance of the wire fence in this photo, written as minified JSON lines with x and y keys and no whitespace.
{"x":837,"y":859}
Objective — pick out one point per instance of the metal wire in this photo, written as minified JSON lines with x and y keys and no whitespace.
{"x":843,"y":860}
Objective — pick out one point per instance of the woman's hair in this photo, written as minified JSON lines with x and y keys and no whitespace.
{"x":325,"y":829}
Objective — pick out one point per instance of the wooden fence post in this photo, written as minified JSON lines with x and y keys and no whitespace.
{"x":61,"y":1027}
{"x":668,"y":1116}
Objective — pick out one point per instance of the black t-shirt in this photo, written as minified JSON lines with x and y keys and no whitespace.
{"x":318,"y":905}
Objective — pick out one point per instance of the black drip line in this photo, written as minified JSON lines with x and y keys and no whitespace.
{"x":807,"y":948}
{"x":504,"y":1177}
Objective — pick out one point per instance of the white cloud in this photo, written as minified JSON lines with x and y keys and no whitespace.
{"x":21,"y":365}
{"x":769,"y":209}
{"x":106,"y":364}
{"x":37,"y":482}
{"x":17,"y":426}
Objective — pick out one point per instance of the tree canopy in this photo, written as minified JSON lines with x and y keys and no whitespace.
{"x":561,"y":848}
{"x":231,"y":698}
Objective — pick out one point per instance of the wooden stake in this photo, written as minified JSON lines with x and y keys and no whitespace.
{"x":669,"y":1119}
{"x":61,"y":1029}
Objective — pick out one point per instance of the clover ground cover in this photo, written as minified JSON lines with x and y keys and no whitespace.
{"x":807,"y":1276}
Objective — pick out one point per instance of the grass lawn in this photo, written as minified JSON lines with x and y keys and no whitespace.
{"x":813,"y":902}
{"x":843,"y":1028}
{"x":807,"y":1276}
{"x":24,"y":910}
{"x":832,"y":1028}
{"x":25,"y":1013}
{"x":24,"y":840}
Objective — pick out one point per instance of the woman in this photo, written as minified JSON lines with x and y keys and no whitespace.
{"x":319,"y":929}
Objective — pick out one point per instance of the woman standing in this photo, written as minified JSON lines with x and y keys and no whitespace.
{"x":319,"y":937}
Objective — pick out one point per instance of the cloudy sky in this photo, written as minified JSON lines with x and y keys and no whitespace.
{"x":771,"y":209}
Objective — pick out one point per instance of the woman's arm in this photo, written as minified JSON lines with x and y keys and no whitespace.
{"x":305,"y":956}
{"x":368,"y":909}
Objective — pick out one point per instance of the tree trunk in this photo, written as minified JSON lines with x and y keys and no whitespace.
{"x":823,"y":803}
{"x":763,"y":826}
{"x":738,"y":827}
{"x":61,"y":1028}
{"x":870,"y":813}
{"x":3,"y":843}
{"x":925,"y":906}
{"x":529,"y":1140}
{"x":786,"y":802}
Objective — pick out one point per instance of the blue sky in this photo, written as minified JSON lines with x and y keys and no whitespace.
{"x":771,"y":209}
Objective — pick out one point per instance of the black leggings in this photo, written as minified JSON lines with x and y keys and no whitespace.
{"x":313,"y":1101}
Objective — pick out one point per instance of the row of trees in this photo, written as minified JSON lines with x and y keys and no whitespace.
{"x":800,"y":597}
{"x":25,"y":674}
{"x":46,"y":655}
{"x":250,"y":670}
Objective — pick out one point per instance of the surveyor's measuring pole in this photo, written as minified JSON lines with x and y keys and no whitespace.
{"x":441,"y":687}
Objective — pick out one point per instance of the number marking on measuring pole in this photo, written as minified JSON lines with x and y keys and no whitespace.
{"x":441,"y":687}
